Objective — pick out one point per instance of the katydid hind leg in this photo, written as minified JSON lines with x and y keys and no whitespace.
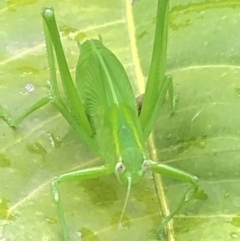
{"x":56,"y":98}
{"x":168,"y":80}
{"x":181,"y":176}
{"x":89,"y":142}
{"x":75,"y":105}
{"x":156,"y":76}
{"x":167,"y":83}
{"x":79,"y":175}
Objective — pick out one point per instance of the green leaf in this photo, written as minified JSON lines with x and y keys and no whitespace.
{"x":202,"y":137}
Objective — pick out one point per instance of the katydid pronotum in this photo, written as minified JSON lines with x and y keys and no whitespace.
{"x":102,"y":109}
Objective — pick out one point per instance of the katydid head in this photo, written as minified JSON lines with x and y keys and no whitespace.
{"x":132,"y":165}
{"x":129,"y":170}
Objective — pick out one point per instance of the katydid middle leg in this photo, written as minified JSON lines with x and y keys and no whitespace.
{"x":53,"y":96}
{"x":179,"y":175}
{"x":14,"y":122}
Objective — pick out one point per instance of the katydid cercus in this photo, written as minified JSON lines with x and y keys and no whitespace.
{"x":102,"y":109}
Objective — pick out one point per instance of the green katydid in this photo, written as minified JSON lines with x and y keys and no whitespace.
{"x":102,"y":109}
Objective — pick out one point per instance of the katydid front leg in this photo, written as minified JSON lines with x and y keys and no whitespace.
{"x":179,"y":175}
{"x":78,"y":175}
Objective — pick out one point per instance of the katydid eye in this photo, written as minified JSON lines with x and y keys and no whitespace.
{"x":120,"y":168}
